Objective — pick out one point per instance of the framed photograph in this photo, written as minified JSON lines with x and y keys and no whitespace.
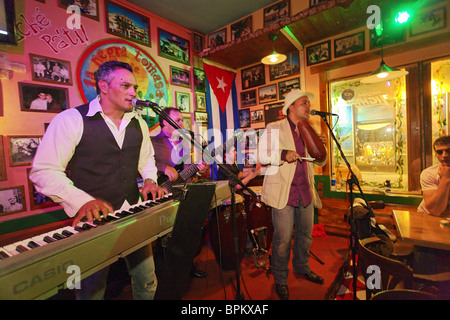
{"x":173,"y":47}
{"x":253,"y":76}
{"x":217,"y":38}
{"x":318,"y":53}
{"x":180,"y":77}
{"x":197,"y":41}
{"x":88,"y":8}
{"x":37,"y":200}
{"x":349,"y":44}
{"x":3,"y":174}
{"x":40,"y":98}
{"x":432,"y":20}
{"x":257,"y":116}
{"x":248,"y":98}
{"x":244,"y":118}
{"x":127,"y":24}
{"x":241,"y":28}
{"x":276,"y":12}
{"x":315,"y":3}
{"x":389,"y":36}
{"x":201,"y":101}
{"x":285,"y":69}
{"x":199,"y":80}
{"x":21,"y":149}
{"x":200,"y":116}
{"x":50,"y":70}
{"x":183,"y":101}
{"x":287,"y":85}
{"x":187,"y":122}
{"x":7,"y":22}
{"x":12,"y":200}
{"x":267,"y":93}
{"x":273,"y":112}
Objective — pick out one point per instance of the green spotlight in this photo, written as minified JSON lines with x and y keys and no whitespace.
{"x":402,"y":17}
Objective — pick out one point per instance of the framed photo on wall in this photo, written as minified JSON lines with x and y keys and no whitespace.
{"x":267,"y":93}
{"x":199,"y":80}
{"x":201,"y":101}
{"x":287,"y":85}
{"x":21,"y":149}
{"x":127,"y":24}
{"x":50,"y":70}
{"x":318,"y":53}
{"x":248,"y":98}
{"x":241,"y":28}
{"x":244,"y":118}
{"x":253,"y":76}
{"x":349,"y":44}
{"x":88,"y":8}
{"x":429,"y":21}
{"x":183,"y":101}
{"x":173,"y":47}
{"x":41,"y":98}
{"x":7,"y":22}
{"x":217,"y":38}
{"x":276,"y":12}
{"x":200,"y":116}
{"x":285,"y":69}
{"x":180,"y":77}
{"x":12,"y":200}
{"x":197,"y":42}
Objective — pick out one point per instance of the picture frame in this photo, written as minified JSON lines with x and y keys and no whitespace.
{"x":173,"y":47}
{"x":187,"y":122}
{"x":201,"y":116}
{"x":183,"y":101}
{"x":180,"y":77}
{"x":197,"y":42}
{"x":318,"y":53}
{"x":273,"y":112}
{"x":244,"y":118}
{"x":285,"y":69}
{"x":43,"y":98}
{"x":218,"y":38}
{"x":37,"y":200}
{"x":257,"y":115}
{"x":267,"y":93}
{"x":22,"y":149}
{"x":287,"y":85}
{"x":201,"y":101}
{"x":51,"y":70}
{"x":199,"y":80}
{"x":241,"y":28}
{"x":118,"y":20}
{"x":253,"y":76}
{"x":429,"y":21}
{"x":389,"y":36}
{"x":12,"y":200}
{"x":3,"y":172}
{"x":89,"y":9}
{"x":349,"y":44}
{"x":7,"y":23}
{"x":248,"y":98}
{"x":276,"y":12}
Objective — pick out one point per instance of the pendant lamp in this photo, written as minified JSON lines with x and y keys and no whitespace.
{"x":384,"y":73}
{"x":275,"y":57}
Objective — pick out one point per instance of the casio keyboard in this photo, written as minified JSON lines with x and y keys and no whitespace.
{"x":36,"y":268}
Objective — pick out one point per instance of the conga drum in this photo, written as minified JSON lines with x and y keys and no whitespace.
{"x":221,"y":232}
{"x":258,"y":216}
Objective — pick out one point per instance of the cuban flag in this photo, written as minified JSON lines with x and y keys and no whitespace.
{"x":221,"y":105}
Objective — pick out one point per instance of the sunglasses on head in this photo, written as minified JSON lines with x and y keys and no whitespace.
{"x":440,"y":151}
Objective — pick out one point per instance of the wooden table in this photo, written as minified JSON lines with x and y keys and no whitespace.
{"x":422,"y":229}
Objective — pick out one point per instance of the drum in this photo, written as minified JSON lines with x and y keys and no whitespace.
{"x":259,"y":216}
{"x":221,"y":232}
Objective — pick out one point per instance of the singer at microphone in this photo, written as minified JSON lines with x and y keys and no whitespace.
{"x":322,"y":113}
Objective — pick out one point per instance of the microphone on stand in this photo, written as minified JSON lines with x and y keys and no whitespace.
{"x":322,"y":113}
{"x":139,"y":104}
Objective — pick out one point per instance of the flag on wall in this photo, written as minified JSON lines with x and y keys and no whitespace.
{"x":221,"y":102}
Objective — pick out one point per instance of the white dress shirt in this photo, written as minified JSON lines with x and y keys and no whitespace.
{"x":58,"y":146}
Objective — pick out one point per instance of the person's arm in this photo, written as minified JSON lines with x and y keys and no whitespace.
{"x":436,"y":200}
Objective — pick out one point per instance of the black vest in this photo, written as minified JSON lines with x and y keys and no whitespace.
{"x":100,"y":168}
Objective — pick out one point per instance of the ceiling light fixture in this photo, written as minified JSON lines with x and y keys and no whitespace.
{"x":384,"y":73}
{"x":275,"y":57}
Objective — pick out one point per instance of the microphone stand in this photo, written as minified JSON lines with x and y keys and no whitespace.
{"x":353,"y":180}
{"x":234,"y":180}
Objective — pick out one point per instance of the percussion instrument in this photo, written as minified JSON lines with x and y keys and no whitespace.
{"x":221,"y":232}
{"x":314,"y":145}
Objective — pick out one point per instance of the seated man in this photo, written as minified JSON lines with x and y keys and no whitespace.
{"x":435,"y":181}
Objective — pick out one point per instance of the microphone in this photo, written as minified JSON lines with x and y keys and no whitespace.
{"x":322,"y":113}
{"x":142,"y":103}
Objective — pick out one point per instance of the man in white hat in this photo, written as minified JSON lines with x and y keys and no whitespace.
{"x":289,"y":189}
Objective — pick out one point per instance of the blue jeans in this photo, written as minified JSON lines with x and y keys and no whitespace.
{"x":141,"y":268}
{"x":284,"y":221}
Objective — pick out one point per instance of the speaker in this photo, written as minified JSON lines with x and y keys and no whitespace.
{"x":174,"y":261}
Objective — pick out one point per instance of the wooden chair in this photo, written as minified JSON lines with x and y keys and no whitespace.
{"x":403,"y":294}
{"x":394,"y":274}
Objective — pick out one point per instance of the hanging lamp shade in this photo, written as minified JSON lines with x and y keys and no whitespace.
{"x":275,"y":57}
{"x":384,"y":73}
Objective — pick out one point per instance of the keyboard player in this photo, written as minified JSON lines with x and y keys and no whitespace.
{"x":103,"y":144}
